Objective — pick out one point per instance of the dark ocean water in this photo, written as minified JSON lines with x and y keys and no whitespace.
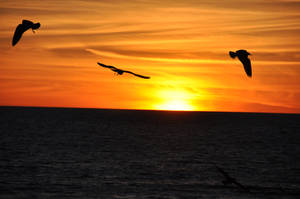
{"x":89,"y":153}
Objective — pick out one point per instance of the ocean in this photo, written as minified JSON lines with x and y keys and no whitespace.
{"x":127,"y":154}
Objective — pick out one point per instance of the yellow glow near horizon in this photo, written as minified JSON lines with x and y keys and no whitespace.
{"x":175,"y":100}
{"x":176,"y":105}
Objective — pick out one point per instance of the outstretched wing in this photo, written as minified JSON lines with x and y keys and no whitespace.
{"x":247,"y":65}
{"x":106,"y":66}
{"x":141,"y":76}
{"x":18,"y":34}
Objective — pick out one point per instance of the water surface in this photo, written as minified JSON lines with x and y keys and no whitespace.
{"x":90,"y":153}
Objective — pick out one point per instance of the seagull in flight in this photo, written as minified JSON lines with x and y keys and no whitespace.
{"x":230,"y":180}
{"x":21,"y":28}
{"x":243,"y":57}
{"x":120,"y":71}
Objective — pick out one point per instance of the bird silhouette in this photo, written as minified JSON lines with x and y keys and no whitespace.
{"x":21,"y":28}
{"x":230,"y":180}
{"x":120,"y":71}
{"x":243,"y":57}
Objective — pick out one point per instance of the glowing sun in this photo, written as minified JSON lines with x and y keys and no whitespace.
{"x":175,"y":101}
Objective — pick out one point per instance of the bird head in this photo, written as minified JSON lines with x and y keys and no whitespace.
{"x":120,"y":72}
{"x":35,"y":26}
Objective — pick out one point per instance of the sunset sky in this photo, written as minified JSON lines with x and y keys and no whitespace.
{"x":182,"y":44}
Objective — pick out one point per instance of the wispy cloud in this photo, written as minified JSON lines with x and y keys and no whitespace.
{"x":116,"y":55}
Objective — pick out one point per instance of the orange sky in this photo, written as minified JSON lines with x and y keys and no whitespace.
{"x":183,"y":45}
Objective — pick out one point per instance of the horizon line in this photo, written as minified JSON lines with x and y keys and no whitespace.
{"x":156,"y":110}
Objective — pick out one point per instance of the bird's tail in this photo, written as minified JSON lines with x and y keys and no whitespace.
{"x":232,"y":54}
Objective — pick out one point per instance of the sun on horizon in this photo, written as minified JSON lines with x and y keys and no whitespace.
{"x":175,"y":105}
{"x":174,"y":100}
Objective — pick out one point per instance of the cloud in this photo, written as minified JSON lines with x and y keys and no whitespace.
{"x":156,"y":59}
{"x":289,"y":99}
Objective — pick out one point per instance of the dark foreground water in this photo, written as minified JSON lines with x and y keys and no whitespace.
{"x":88,"y":153}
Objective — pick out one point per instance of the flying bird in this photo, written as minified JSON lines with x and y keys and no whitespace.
{"x":21,"y":28}
{"x":230,"y":180}
{"x":243,"y":57}
{"x":120,"y":71}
